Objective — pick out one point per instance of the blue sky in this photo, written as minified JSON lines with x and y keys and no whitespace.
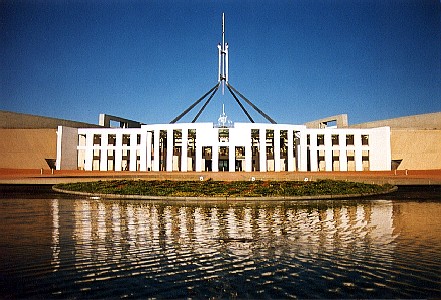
{"x":149,"y":60}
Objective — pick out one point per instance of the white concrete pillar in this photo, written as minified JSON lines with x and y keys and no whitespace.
{"x":143,"y":152}
{"x":358,"y":152}
{"x":290,"y":151}
{"x":198,"y":154}
{"x":133,"y":154}
{"x":149,"y":150}
{"x":156,"y":150}
{"x":184,"y":150}
{"x":276,"y":150}
{"x":103,"y":151}
{"x":68,"y":143}
{"x":232,"y":158}
{"x":248,"y":158}
{"x":81,"y":152}
{"x":118,"y":151}
{"x":88,"y":159}
{"x":343,"y":157}
{"x":313,"y":151}
{"x":328,"y":151}
{"x":262,"y":152}
{"x":303,"y":152}
{"x":379,"y":149}
{"x":215,"y":158}
{"x":169,"y":156}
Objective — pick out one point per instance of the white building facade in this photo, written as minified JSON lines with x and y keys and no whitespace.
{"x":243,"y":147}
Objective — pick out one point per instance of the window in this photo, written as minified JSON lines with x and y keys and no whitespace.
{"x":112,"y":139}
{"x":320,"y":139}
{"x":97,"y":139}
{"x":365,"y":139}
{"x":224,"y":135}
{"x":126,"y":139}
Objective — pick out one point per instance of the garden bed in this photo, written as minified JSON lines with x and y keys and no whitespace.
{"x":222,"y":189}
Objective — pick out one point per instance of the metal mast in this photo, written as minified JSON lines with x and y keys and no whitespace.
{"x":223,"y":58}
{"x":223,"y":79}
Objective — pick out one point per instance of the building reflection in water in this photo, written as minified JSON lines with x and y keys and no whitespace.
{"x":55,"y":247}
{"x":110,"y":231}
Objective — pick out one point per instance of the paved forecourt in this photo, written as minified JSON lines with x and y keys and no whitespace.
{"x":405,"y":177}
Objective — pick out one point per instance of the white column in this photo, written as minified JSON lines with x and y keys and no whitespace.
{"x":81,"y":152}
{"x":184,"y":150}
{"x":215,"y":158}
{"x":198,"y":154}
{"x":358,"y":152}
{"x":118,"y":152}
{"x":169,"y":163}
{"x":248,"y":157}
{"x":290,"y":151}
{"x":379,"y":149}
{"x":303,"y":152}
{"x":313,"y":151}
{"x":343,"y":157}
{"x":156,"y":150}
{"x":68,"y":149}
{"x":328,"y":151}
{"x":276,"y":150}
{"x":262,"y":152}
{"x":89,"y":152}
{"x":149,"y":150}
{"x":103,"y":151}
{"x":133,"y":154}
{"x":143,"y":152}
{"x":232,"y":158}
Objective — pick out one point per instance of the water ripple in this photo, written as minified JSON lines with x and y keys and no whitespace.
{"x":101,"y":249}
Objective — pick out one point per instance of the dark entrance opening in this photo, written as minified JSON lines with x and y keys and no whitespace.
{"x":223,"y":165}
{"x":238,"y":165}
{"x":208,"y":165}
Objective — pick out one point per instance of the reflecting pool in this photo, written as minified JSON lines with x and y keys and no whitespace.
{"x":55,"y":246}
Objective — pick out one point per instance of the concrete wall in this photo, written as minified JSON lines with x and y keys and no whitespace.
{"x":417,"y":148}
{"x":67,"y":140}
{"x":380,"y":148}
{"x":14,"y":120}
{"x":339,"y":121}
{"x":27,"y":148}
{"x":416,"y":140}
{"x":425,"y":121}
{"x":106,"y":121}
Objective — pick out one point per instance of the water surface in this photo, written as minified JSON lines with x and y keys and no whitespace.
{"x":56,"y":246}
